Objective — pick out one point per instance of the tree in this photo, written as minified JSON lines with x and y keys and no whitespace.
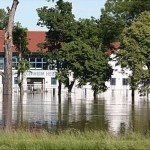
{"x":98,"y":71}
{"x":7,"y":80}
{"x":74,"y":56}
{"x":3,"y":19}
{"x":61,"y":24}
{"x":86,"y":65}
{"x":134,"y":52}
{"x":117,"y":15}
{"x":20,"y":41}
{"x":88,"y":31}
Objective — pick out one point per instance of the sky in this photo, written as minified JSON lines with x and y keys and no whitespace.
{"x":26,"y":11}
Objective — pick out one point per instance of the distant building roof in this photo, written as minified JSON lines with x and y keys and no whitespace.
{"x":34,"y":38}
{"x":1,"y":40}
{"x":113,"y":47}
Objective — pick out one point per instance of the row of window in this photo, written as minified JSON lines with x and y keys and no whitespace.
{"x":125,"y":81}
{"x":35,"y":62}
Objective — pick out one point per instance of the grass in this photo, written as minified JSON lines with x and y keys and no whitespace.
{"x":72,"y":140}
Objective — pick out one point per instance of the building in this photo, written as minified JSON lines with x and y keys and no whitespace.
{"x":40,"y":77}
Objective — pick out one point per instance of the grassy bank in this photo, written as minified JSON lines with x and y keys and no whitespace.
{"x":69,"y":140}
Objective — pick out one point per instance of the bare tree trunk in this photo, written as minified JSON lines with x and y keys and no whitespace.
{"x":7,"y":83}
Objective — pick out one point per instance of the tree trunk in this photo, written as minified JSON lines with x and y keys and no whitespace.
{"x":20,"y":107}
{"x":133,"y":95}
{"x":7,"y":83}
{"x":133,"y":118}
{"x":59,"y":88}
{"x":70,"y":88}
{"x":21,"y":91}
{"x":133,"y":87}
{"x":95,"y":94}
{"x":59,"y":114}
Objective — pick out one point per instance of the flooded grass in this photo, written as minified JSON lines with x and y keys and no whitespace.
{"x":72,"y":140}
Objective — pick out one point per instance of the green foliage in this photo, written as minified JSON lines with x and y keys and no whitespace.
{"x":60,"y":22}
{"x":87,"y":65}
{"x":20,"y":39}
{"x":135,"y":50}
{"x":23,"y":66}
{"x":72,"y":140}
{"x":88,"y":31}
{"x":74,"y":47}
{"x":117,"y":15}
{"x":3,"y":19}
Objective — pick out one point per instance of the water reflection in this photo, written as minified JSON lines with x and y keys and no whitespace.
{"x":112,"y":112}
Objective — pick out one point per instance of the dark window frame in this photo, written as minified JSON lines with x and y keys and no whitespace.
{"x":53,"y":81}
{"x":125,"y":81}
{"x":113,"y":81}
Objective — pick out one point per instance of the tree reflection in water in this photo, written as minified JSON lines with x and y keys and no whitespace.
{"x":112,"y":112}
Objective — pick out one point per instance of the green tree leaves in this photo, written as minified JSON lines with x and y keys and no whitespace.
{"x":3,"y":19}
{"x":117,"y":15}
{"x":135,"y":50}
{"x":74,"y":47}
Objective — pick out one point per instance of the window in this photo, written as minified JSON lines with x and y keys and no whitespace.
{"x":44,"y":60}
{"x":53,"y":81}
{"x":1,"y":63}
{"x":32,"y":59}
{"x":33,"y":65}
{"x":14,"y":61}
{"x":15,"y":80}
{"x":38,"y":59}
{"x":125,"y":81}
{"x":37,"y":62}
{"x":113,"y":81}
{"x":38,"y":65}
{"x":1,"y":59}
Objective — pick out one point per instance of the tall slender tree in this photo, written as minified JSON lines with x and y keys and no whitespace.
{"x":7,"y":80}
{"x":20,"y":42}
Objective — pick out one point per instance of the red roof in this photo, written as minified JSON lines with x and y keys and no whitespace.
{"x":1,"y":40}
{"x":34,"y":38}
{"x":113,"y":47}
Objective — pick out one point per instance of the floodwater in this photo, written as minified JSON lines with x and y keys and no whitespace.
{"x":112,"y":112}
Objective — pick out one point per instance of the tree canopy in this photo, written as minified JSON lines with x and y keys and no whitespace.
{"x":74,"y":46}
{"x":3,"y":19}
{"x":135,"y":50}
{"x":118,"y":14}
